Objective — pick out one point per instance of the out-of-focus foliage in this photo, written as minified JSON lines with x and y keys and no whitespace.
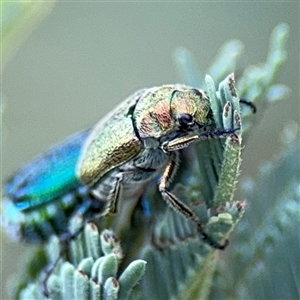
{"x":18,"y":19}
{"x":257,"y":83}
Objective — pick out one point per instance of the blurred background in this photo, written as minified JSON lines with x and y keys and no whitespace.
{"x":84,"y":58}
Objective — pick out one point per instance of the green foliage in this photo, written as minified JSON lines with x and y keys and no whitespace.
{"x":91,"y":271}
{"x":263,"y":263}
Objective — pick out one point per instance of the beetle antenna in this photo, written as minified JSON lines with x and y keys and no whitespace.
{"x":250,"y":104}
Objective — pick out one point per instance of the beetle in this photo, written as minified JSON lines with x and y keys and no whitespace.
{"x":96,"y":171}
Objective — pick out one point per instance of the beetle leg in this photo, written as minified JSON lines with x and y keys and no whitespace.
{"x":48,"y":270}
{"x":179,"y":206}
{"x":113,"y":198}
{"x":112,"y":205}
{"x":45,"y":276}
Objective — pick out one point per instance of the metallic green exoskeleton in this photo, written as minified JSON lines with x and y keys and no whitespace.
{"x":141,"y":139}
{"x":106,"y":169}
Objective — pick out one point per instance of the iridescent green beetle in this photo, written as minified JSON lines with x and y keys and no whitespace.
{"x":140,"y":139}
{"x":99,"y":171}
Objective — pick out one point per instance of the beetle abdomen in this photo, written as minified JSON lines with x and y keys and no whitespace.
{"x":40,"y":198}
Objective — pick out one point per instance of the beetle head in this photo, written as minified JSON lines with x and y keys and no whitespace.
{"x":171,"y":109}
{"x":190,"y":109}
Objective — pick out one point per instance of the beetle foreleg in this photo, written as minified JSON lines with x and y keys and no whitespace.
{"x":179,"y":206}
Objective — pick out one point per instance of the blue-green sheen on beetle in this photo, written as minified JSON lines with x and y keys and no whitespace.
{"x":97,"y":171}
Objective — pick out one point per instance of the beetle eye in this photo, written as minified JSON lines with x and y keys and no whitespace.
{"x":185,"y":120}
